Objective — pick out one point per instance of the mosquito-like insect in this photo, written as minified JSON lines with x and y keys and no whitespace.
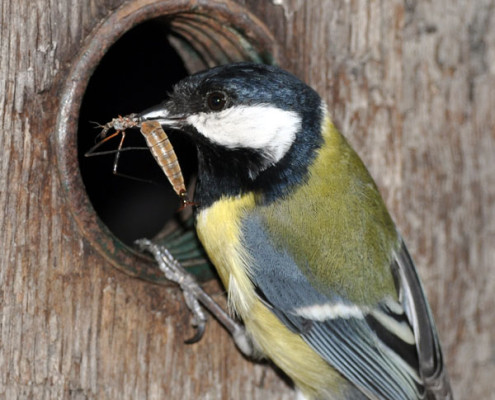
{"x":158,"y":143}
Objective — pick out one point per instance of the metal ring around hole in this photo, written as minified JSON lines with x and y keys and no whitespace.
{"x":226,"y":22}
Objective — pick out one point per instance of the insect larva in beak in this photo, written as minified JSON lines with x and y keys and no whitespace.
{"x":161,"y":148}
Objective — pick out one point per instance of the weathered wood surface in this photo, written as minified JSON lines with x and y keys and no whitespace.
{"x":411,"y":84}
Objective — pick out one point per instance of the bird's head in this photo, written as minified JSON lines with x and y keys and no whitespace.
{"x":256,"y":127}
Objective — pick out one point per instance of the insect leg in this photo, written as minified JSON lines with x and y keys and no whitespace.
{"x":116,"y":161}
{"x":117,"y":155}
{"x":91,"y":152}
{"x":122,"y":123}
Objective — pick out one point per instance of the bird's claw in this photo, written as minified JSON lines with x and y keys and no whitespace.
{"x":194,"y":295}
{"x":175,"y":272}
{"x":200,"y":330}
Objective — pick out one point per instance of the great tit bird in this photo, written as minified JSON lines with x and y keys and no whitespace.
{"x":300,"y":236}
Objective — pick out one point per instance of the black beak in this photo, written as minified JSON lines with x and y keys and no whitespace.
{"x":162,"y":114}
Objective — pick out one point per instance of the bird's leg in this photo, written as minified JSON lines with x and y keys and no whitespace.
{"x":194,"y":295}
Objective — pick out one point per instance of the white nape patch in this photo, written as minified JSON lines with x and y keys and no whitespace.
{"x":260,"y":127}
{"x":322,"y":312}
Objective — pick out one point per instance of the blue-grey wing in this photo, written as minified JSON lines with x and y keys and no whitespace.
{"x":417,"y":309}
{"x":374,"y":348}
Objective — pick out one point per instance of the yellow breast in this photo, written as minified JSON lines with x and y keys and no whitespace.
{"x":219,"y":229}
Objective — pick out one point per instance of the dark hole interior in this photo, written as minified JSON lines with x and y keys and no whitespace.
{"x":136,"y":73}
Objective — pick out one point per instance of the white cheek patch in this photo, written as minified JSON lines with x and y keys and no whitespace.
{"x":261,"y":127}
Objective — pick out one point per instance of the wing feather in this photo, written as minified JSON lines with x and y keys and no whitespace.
{"x":380,"y":349}
{"x":416,"y":306}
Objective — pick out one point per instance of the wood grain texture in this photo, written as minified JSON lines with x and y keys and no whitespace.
{"x":71,"y":326}
{"x":411,"y":84}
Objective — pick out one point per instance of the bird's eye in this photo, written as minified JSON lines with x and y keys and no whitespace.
{"x":216,"y":101}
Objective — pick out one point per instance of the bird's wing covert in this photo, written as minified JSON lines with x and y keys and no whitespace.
{"x":373,"y":347}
